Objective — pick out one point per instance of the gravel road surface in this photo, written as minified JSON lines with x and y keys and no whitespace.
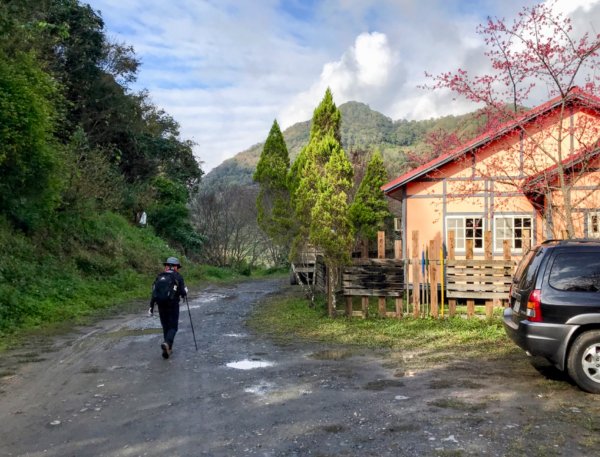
{"x":106,"y":391}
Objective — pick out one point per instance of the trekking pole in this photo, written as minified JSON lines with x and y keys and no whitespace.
{"x":191,"y":323}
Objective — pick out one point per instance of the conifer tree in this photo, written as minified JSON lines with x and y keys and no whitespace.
{"x":326,"y":119}
{"x":321,"y":196}
{"x":309,"y":167}
{"x":369,"y":208}
{"x":331,"y":228}
{"x":273,"y":200}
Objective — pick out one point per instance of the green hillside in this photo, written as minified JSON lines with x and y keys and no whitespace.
{"x":363,"y":130}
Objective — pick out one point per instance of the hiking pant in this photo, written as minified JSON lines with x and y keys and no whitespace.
{"x":169,"y":319}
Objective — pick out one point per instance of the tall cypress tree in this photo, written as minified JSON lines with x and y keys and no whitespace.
{"x":369,"y":208}
{"x":326,"y":119}
{"x":310,"y":164}
{"x":273,"y":200}
{"x":321,"y":197}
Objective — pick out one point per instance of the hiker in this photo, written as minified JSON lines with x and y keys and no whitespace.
{"x":167,"y":288}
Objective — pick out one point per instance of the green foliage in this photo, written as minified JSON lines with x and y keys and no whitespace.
{"x":81,"y":264}
{"x":169,"y":215}
{"x":326,"y":119}
{"x":306,"y":176}
{"x":274,"y":161}
{"x":330,"y":229}
{"x":324,"y":180}
{"x":29,"y":158}
{"x":273,"y":201}
{"x":363,"y":130}
{"x":92,"y":182}
{"x":309,"y":168}
{"x":76,"y":147}
{"x":369,"y":207}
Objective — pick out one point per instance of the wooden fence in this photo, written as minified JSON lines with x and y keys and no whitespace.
{"x":436,"y":275}
{"x":379,"y":277}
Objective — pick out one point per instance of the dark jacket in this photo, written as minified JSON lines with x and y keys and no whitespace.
{"x":181,"y":290}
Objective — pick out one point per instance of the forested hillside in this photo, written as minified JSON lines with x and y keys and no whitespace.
{"x":403,"y":143}
{"x":225,"y":209}
{"x":82,"y":156}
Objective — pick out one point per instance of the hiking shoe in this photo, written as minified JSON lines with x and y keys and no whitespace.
{"x":166,"y":350}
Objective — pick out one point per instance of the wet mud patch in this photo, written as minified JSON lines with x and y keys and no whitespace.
{"x":5,"y":374}
{"x":214,"y":313}
{"x":383,"y":384}
{"x":32,"y":360}
{"x":457,"y":404}
{"x":28,"y":357}
{"x":403,"y":427}
{"x":92,"y":370}
{"x":333,"y":354}
{"x":126,"y":332}
{"x":333,"y":428}
{"x":450,"y":383}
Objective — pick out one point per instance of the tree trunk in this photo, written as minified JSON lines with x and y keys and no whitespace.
{"x":330,"y":304}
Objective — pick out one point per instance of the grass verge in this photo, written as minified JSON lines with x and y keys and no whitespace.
{"x":287,"y":318}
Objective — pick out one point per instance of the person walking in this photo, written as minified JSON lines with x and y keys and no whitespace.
{"x":167,"y":289}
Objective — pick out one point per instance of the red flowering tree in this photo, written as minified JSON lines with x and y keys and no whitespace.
{"x":539,"y":50}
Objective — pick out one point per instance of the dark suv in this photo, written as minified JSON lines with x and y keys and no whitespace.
{"x":555,"y":307}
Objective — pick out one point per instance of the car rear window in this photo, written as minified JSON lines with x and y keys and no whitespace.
{"x":578,"y":272}
{"x":525,"y":274}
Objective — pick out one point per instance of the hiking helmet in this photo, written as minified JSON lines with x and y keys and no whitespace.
{"x":172,"y":261}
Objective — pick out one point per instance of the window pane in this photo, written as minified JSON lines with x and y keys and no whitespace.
{"x":526,"y":271}
{"x":511,"y":228}
{"x":580,"y":272}
{"x":457,"y":225}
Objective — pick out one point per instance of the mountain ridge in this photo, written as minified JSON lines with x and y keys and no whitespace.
{"x":363,"y":130}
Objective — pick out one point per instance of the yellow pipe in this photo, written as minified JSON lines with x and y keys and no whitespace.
{"x":443,"y":277}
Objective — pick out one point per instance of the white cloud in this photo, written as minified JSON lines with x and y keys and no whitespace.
{"x":368,"y":71}
{"x":225,"y":69}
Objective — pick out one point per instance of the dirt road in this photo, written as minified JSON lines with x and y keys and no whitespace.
{"x":106,"y":391}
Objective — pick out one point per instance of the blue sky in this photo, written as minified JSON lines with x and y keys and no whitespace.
{"x":225,"y":69}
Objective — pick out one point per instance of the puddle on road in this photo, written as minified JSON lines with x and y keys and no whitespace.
{"x":271,"y":394}
{"x":204,"y":298}
{"x":260,"y":389}
{"x":249,"y":364}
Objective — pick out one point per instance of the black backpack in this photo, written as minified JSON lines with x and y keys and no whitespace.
{"x":165,"y":287}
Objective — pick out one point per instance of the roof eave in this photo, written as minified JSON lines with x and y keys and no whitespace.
{"x":527,"y":117}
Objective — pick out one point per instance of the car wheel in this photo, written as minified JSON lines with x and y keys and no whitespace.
{"x":584,"y":361}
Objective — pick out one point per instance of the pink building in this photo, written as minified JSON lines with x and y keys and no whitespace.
{"x":538,"y":173}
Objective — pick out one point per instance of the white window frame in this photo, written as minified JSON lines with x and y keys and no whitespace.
{"x":593,"y":224}
{"x":460,"y":231}
{"x":498,"y":240}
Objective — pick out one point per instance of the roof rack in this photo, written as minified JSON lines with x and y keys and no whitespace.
{"x":572,"y":240}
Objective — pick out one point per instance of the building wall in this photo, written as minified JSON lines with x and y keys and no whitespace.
{"x":484,"y":187}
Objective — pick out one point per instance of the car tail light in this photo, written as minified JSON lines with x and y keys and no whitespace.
{"x":534,"y":306}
